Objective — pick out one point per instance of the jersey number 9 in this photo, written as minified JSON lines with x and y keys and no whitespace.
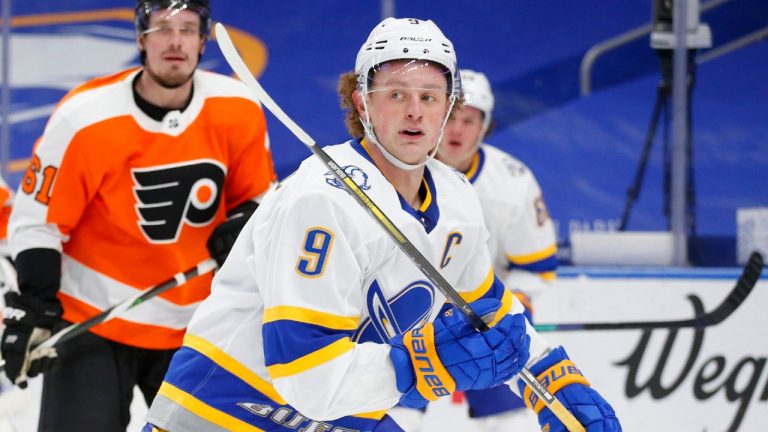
{"x":317,"y":246}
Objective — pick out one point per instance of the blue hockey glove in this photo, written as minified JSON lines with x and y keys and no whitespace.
{"x":449,"y":354}
{"x":561,"y":377}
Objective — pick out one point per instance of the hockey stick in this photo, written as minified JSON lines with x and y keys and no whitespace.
{"x":241,"y":70}
{"x":76,"y":329}
{"x":735,"y":298}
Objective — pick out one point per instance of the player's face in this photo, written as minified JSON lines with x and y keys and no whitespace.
{"x":462,"y":134}
{"x":172,"y":45}
{"x":407,"y":103}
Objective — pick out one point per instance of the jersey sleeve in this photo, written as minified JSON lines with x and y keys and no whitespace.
{"x":6,"y":201}
{"x":250,"y":171}
{"x":529,"y":242}
{"x":313,"y":303}
{"x":57,"y":186}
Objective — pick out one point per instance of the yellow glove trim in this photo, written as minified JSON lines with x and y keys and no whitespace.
{"x":432,"y":379}
{"x":553,"y":379}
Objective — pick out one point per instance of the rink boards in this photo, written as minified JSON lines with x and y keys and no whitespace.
{"x":713,"y":379}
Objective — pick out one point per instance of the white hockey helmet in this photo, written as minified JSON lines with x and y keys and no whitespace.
{"x":477,"y":94}
{"x":405,"y":39}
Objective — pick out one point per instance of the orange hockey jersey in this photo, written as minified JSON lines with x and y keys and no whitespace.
{"x":6,"y":200}
{"x":130,"y":201}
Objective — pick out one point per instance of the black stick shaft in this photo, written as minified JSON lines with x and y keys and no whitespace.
{"x":735,"y":298}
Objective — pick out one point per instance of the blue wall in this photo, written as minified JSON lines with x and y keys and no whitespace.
{"x":583,"y":149}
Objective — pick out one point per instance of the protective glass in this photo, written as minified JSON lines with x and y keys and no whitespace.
{"x":407,"y":81}
{"x":166,"y":31}
{"x":428,"y":80}
{"x":168,"y":10}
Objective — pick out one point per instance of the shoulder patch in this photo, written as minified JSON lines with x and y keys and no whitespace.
{"x":515,"y":168}
{"x":357,"y":175}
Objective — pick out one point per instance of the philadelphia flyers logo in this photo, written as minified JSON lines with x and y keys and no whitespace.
{"x":168,"y":196}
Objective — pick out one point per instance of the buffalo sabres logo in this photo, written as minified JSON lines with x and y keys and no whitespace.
{"x":514,"y":167}
{"x":355,"y":173}
{"x":389,"y":317}
{"x":168,"y":196}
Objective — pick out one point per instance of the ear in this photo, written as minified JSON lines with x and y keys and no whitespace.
{"x":140,"y":42}
{"x":357,"y":99}
{"x":202,"y":45}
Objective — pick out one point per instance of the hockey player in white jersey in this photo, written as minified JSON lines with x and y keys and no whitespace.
{"x":318,"y":322}
{"x":522,"y":236}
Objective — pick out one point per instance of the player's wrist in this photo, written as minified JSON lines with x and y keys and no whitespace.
{"x":405,"y":379}
{"x":555,"y":371}
{"x":420,"y":375}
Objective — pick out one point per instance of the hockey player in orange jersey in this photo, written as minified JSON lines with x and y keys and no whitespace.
{"x":137,"y":176}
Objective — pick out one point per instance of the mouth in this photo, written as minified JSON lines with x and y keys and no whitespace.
{"x":412,"y":133}
{"x":175,"y":59}
{"x":454,"y":143}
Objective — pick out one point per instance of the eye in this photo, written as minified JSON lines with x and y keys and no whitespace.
{"x":428,"y":98}
{"x":189,"y":30}
{"x":396,"y":95}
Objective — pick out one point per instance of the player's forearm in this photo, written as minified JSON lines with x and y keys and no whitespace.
{"x":39,"y":273}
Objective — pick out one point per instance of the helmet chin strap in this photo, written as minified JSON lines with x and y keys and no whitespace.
{"x":371,"y":136}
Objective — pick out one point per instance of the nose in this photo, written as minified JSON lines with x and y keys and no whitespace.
{"x":175,"y":38}
{"x":414,"y":108}
{"x":451,"y":130}
{"x":454,"y":135}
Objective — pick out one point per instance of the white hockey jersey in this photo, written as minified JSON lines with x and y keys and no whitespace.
{"x":522,"y":235}
{"x":294,"y":335}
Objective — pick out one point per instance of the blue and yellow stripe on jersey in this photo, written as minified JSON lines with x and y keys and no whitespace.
{"x":297,"y":339}
{"x":220,"y":390}
{"x":543,"y":262}
{"x":491,"y":287}
{"x":476,"y":166}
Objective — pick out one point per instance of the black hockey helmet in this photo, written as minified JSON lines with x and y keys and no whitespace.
{"x":145,"y":8}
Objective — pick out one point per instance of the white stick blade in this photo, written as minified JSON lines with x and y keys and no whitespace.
{"x":241,"y":70}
